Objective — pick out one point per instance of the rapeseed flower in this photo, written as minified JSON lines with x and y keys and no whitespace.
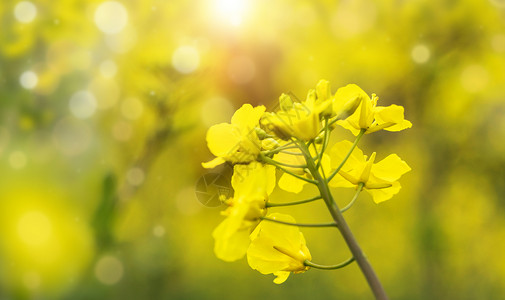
{"x":252,"y":184}
{"x":237,"y":142}
{"x":368,"y":115}
{"x":278,"y":249}
{"x":379,"y":179}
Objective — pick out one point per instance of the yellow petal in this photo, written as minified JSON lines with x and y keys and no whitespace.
{"x":291,"y":184}
{"x":230,"y":243}
{"x":307,"y":128}
{"x":326,"y":163}
{"x":366,"y":115}
{"x":392,"y":114}
{"x":365,"y":174}
{"x":381,"y":195}
{"x":323,"y":90}
{"x":338,"y":152}
{"x":222,"y":139}
{"x":292,"y":159}
{"x":339,"y":181}
{"x":350,"y":92}
{"x":390,"y":168}
{"x":213,"y":163}
{"x":248,"y":117}
{"x":400,"y":126}
{"x":277,"y":247}
{"x":350,"y":124}
{"x":254,"y":179}
{"x":281,"y":277}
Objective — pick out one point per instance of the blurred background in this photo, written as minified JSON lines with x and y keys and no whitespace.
{"x":104,"y":106}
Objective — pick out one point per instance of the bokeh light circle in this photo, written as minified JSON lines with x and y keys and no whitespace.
{"x":108,"y":69}
{"x":111,"y":17}
{"x":82,"y":104}
{"x":109,"y":270}
{"x":186,"y":59}
{"x":28,"y":80}
{"x":25,"y":11}
{"x":420,"y":54}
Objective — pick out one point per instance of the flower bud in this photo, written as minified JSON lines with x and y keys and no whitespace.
{"x":349,"y":107}
{"x":285,"y":102}
{"x":260,"y":132}
{"x":269,"y":144}
{"x":323,"y":90}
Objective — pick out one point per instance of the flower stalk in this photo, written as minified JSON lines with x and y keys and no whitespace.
{"x":352,"y":243}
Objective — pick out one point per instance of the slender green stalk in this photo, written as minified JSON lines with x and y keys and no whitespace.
{"x":332,"y":224}
{"x":331,"y":267}
{"x":278,"y":163}
{"x":281,"y":148}
{"x":269,"y":204}
{"x":273,"y":162}
{"x":359,"y":189}
{"x":366,"y":268}
{"x":325,"y":142}
{"x":291,"y":153}
{"x":358,"y":137}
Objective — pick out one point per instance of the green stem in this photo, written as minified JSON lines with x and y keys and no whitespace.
{"x":358,"y":137}
{"x":359,"y":189}
{"x":332,"y":267}
{"x":275,"y":163}
{"x":352,"y":243}
{"x":278,"y":163}
{"x":300,"y":224}
{"x":325,"y":142}
{"x":277,"y":150}
{"x":291,"y":153}
{"x":269,"y":204}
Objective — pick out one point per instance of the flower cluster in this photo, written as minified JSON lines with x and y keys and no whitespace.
{"x":295,"y":139}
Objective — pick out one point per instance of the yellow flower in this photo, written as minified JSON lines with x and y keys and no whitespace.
{"x":252,"y":184}
{"x":340,"y":107}
{"x":379,"y":179}
{"x":238,"y":141}
{"x":295,"y":119}
{"x":368,"y":115}
{"x":278,"y":249}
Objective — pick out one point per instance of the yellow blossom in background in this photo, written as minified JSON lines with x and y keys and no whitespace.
{"x":278,"y":249}
{"x":379,"y":179}
{"x":252,"y":184}
{"x":238,"y":141}
{"x":368,"y":115}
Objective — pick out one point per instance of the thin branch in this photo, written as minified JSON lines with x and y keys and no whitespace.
{"x":332,"y":224}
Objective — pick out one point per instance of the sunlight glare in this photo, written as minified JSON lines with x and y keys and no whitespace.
{"x":231,"y":10}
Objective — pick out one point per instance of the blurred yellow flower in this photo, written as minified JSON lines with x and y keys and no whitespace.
{"x":380,"y":179}
{"x":278,"y":249}
{"x":238,"y":141}
{"x":368,"y":115}
{"x":252,"y":184}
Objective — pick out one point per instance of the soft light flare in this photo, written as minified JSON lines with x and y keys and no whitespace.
{"x":231,"y":10}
